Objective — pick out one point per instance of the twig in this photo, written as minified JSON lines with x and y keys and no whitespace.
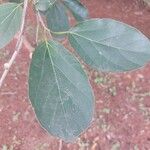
{"x":28,"y":45}
{"x":37,"y":29}
{"x":41,"y":21}
{"x":8,"y":65}
{"x":43,"y":24}
{"x":60,"y":144}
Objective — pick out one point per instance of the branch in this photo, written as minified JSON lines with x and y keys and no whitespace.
{"x":8,"y":65}
{"x":60,"y":144}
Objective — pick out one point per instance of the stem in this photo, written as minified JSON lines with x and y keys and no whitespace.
{"x":60,"y":33}
{"x":41,"y":21}
{"x":37,"y":29}
{"x":48,"y":30}
{"x":43,"y":25}
{"x":60,"y":144}
{"x":8,"y":65}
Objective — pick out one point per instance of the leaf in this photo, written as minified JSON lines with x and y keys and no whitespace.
{"x":78,"y":10}
{"x":59,"y":91}
{"x":110,"y":45}
{"x":43,"y":5}
{"x":10,"y":21}
{"x":57,"y":19}
{"x":16,"y":1}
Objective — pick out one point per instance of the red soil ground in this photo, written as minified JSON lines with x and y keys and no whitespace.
{"x":122,"y":115}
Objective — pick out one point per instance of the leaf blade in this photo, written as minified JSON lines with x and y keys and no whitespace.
{"x":109,"y":45}
{"x":57,"y":19}
{"x":78,"y":10}
{"x":66,"y":116}
{"x":43,"y":5}
{"x":10,"y":21}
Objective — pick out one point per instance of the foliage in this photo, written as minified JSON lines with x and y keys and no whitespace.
{"x":59,"y":89}
{"x":10,"y":20}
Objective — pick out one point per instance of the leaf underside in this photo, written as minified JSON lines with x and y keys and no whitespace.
{"x":59,"y":91}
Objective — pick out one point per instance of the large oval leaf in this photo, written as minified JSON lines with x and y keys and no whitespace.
{"x":78,"y":10}
{"x":59,"y":91}
{"x":10,"y":21}
{"x":109,"y":45}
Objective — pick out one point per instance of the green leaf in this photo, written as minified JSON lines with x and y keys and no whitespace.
{"x":59,"y":91}
{"x":78,"y":10}
{"x":110,"y":45}
{"x":57,"y":19}
{"x":10,"y":21}
{"x":16,"y":1}
{"x":43,"y":5}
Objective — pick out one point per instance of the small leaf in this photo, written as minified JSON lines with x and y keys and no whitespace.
{"x":59,"y":91}
{"x":43,"y":5}
{"x":57,"y":19}
{"x":78,"y":10}
{"x":110,"y":45}
{"x":10,"y":21}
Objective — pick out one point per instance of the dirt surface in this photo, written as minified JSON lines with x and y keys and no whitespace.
{"x":122,"y":115}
